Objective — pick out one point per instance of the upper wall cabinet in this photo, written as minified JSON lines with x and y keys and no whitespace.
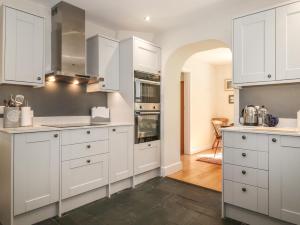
{"x":103,"y":61}
{"x":287,"y":42}
{"x":254,"y":48}
{"x":22,"y":48}
{"x":146,"y":57}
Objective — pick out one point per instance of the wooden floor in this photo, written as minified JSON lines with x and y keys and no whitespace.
{"x":200,"y":173}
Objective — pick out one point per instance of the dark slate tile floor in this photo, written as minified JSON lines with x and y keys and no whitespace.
{"x":161,"y":201}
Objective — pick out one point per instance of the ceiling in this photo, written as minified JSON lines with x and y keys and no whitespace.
{"x":164,"y":14}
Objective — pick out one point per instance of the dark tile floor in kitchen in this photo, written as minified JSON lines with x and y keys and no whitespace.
{"x":161,"y":201}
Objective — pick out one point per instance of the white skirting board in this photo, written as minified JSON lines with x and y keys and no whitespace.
{"x":249,"y":217}
{"x":50,"y":211}
{"x":173,"y":168}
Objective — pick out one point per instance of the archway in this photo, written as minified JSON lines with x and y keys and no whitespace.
{"x":171,"y":101}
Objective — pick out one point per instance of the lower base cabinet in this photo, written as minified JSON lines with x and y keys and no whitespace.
{"x":36,"y":170}
{"x":146,"y":157}
{"x":84,"y":174}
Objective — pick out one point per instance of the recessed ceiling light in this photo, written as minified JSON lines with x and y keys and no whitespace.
{"x":147,"y":18}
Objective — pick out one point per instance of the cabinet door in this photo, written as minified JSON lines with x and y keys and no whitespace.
{"x":24,"y":47}
{"x":146,"y":57}
{"x":109,"y":63}
{"x":36,"y":170}
{"x":287,"y":42}
{"x":84,"y":174}
{"x":254,"y":48}
{"x":284,"y":181}
{"x":146,"y":157}
{"x":121,"y":153}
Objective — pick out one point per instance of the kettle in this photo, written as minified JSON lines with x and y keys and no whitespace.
{"x":250,"y":115}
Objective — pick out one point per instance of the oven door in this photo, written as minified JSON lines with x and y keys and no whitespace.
{"x":147,"y":91}
{"x":147,"y":126}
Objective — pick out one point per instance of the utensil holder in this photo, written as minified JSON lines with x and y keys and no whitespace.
{"x":11,"y":117}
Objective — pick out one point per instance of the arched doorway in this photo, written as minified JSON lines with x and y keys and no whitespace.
{"x":171,"y":99}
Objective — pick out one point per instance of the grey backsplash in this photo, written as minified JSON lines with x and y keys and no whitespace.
{"x":56,"y":99}
{"x":281,"y":100}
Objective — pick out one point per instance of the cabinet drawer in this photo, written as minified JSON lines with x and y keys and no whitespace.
{"x":246,"y":175}
{"x":84,"y":149}
{"x":247,"y":158}
{"x":83,"y":135}
{"x":258,"y":142}
{"x":246,"y":196}
{"x":146,"y":157}
{"x":85,"y":174}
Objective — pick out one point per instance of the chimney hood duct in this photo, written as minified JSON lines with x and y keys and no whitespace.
{"x":68,"y":44}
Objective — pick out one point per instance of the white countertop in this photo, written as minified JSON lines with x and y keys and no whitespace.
{"x":289,"y":131}
{"x":41,"y":128}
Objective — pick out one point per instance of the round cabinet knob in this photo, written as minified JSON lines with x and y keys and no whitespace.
{"x":149,"y":145}
{"x":244,"y":172}
{"x":244,"y":189}
{"x":103,"y":85}
{"x":88,"y":132}
{"x":39,"y":78}
{"x":88,"y":146}
{"x":141,"y":107}
{"x":154,"y":107}
{"x":244,"y":137}
{"x":244,"y":154}
{"x":114,"y":130}
{"x":88,"y":161}
{"x":274,"y":140}
{"x":269,"y":76}
{"x":55,"y":135}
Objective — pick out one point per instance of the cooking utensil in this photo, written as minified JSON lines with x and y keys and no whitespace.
{"x":19,"y":99}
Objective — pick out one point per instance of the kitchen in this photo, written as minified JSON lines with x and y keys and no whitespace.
{"x":102,"y":119}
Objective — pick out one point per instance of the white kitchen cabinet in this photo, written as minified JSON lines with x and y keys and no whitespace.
{"x":146,"y":157}
{"x":254,"y":48}
{"x":22,"y":48}
{"x":36,"y":170}
{"x":284,"y":178}
{"x":287,"y":42}
{"x":146,"y":57}
{"x":121,"y":153}
{"x":84,"y":174}
{"x":103,"y":61}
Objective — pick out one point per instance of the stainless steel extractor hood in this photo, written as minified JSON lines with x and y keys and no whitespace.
{"x":68,"y":44}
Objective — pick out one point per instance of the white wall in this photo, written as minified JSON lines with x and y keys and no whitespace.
{"x":124,"y":34}
{"x":223,"y":108}
{"x":92,"y":28}
{"x":179,"y":44}
{"x":201,"y":104}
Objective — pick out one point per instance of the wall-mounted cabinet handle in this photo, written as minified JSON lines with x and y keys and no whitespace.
{"x":269,"y":76}
{"x":244,"y":189}
{"x":88,"y":146}
{"x":56,"y":135}
{"x":88,"y":132}
{"x":244,"y":172}
{"x":244,"y":137}
{"x":274,"y":140}
{"x":244,"y":154}
{"x":88,"y":161}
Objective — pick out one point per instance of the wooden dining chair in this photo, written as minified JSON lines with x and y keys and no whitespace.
{"x":218,"y":123}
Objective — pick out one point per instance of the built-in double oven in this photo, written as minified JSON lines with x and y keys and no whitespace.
{"x":147,"y":107}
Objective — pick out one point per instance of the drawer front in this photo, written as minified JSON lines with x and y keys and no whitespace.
{"x":245,"y":175}
{"x":246,"y":196}
{"x":85,"y":174}
{"x":146,"y":157}
{"x":84,"y":149}
{"x":76,"y":136}
{"x":258,"y":142}
{"x":247,"y":158}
